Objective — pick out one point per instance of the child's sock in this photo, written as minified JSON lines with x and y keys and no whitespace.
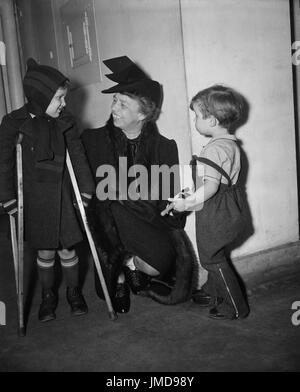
{"x":70,"y":270}
{"x":46,"y":272}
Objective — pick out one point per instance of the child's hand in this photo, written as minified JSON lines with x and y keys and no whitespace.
{"x":10,"y":206}
{"x":178,"y":205}
{"x":177,"y":202}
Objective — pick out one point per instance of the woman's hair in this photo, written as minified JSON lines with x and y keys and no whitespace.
{"x":147,"y":106}
{"x":221,"y":102}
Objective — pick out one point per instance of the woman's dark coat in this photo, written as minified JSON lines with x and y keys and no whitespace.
{"x":104,"y":146}
{"x":50,"y":218}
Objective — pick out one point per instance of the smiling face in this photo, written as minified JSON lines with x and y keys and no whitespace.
{"x":57,"y":103}
{"x":126,"y":113}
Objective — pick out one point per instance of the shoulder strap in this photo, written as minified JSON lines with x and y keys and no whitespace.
{"x":224,"y":138}
{"x":214,"y":165}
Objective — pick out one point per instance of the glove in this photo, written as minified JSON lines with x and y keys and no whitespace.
{"x":86,"y":199}
{"x":10,"y":206}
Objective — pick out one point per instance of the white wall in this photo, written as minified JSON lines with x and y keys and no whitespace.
{"x":246,"y":44}
{"x":296,"y":26}
{"x":149,"y":32}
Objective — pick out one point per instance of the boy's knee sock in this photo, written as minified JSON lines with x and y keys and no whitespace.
{"x":71,"y":270}
{"x":46,"y":272}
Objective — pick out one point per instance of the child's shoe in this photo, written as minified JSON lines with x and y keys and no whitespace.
{"x":201,"y":298}
{"x":220,"y":314}
{"x":48,"y":305}
{"x":76,"y":301}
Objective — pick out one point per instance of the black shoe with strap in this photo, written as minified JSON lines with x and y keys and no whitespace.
{"x":136,"y":279}
{"x":48,"y":305}
{"x":121,"y":301}
{"x":76,"y":301}
{"x":201,"y":298}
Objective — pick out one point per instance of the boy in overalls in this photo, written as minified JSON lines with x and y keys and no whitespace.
{"x":218,"y":219}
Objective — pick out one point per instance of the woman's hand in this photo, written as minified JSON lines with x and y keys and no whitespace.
{"x":86,"y":199}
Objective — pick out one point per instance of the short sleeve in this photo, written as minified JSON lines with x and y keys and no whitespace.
{"x":218,"y":156}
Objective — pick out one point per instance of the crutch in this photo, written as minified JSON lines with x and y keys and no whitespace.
{"x":14,"y":245}
{"x":18,"y":245}
{"x":111,"y":311}
{"x":15,"y":250}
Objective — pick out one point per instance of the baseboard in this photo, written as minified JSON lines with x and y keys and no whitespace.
{"x":265,"y":265}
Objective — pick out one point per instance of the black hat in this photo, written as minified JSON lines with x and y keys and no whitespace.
{"x":40,"y":83}
{"x":131,"y":78}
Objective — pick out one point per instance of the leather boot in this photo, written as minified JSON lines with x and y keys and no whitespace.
{"x":76,"y":301}
{"x":48,"y":305}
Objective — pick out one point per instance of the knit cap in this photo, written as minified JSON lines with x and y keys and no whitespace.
{"x":40,"y":83}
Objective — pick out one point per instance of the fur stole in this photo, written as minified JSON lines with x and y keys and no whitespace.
{"x":186,"y":265}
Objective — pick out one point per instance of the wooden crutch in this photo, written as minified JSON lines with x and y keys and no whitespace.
{"x":111,"y":311}
{"x":18,"y":245}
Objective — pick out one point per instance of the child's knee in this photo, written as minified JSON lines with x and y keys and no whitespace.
{"x":66,"y":253}
{"x":46,"y":254}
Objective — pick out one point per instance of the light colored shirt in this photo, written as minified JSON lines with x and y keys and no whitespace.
{"x":224,"y":151}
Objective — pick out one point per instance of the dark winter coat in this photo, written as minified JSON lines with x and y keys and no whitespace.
{"x":104,"y":146}
{"x":50,"y":218}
